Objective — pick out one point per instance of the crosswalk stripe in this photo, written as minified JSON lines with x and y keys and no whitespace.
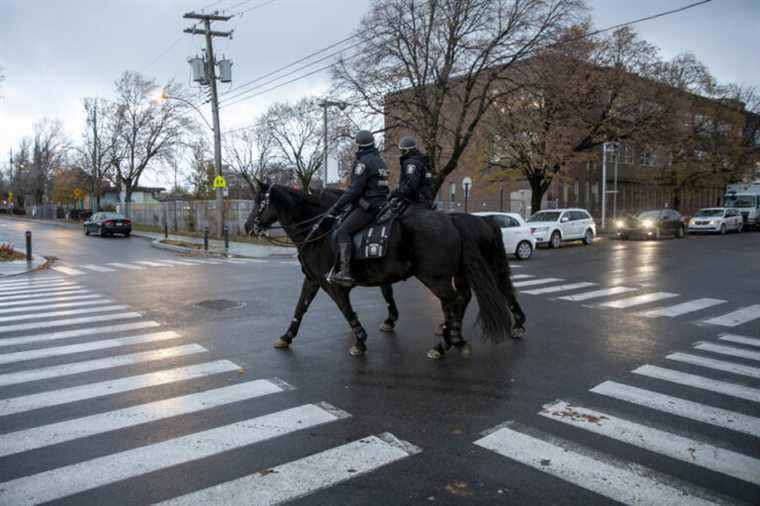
{"x":68,"y":334}
{"x":24,"y":403}
{"x":615,"y":290}
{"x":681,"y":407}
{"x":623,"y":483}
{"x":27,"y":308}
{"x":97,"y":268}
{"x":692,"y":380}
{"x":179,"y":262}
{"x":729,"y":350}
{"x":56,"y":314}
{"x":522,"y":276}
{"x":152,"y":264}
{"x":638,"y":300}
{"x":234,"y":261}
{"x":66,"y":290}
{"x":718,"y":365}
{"x":70,"y":321}
{"x":736,"y":318}
{"x":121,"y":265}
{"x":58,"y":371}
{"x":672,"y":445}
{"x":51,"y":299}
{"x":559,"y":288}
{"x":681,"y":309}
{"x":257,"y":261}
{"x":46,"y":435}
{"x":533,"y":282}
{"x":69,"y":271}
{"x":315,"y":472}
{"x":42,"y":287}
{"x":733,"y":338}
{"x":64,"y":481}
{"x":56,"y":351}
{"x":29,"y":282}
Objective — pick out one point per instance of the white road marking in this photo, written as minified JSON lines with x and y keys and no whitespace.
{"x":70,"y":321}
{"x":615,"y":290}
{"x":46,"y":435}
{"x":718,"y":365}
{"x":51,"y":299}
{"x":729,"y":350}
{"x":41,"y":288}
{"x":639,"y":300}
{"x":234,"y":261}
{"x":624,"y":483}
{"x":68,"y":334}
{"x":29,"y":281}
{"x":58,"y":371}
{"x":533,"y":282}
{"x":65,"y":481}
{"x":733,"y":338}
{"x":69,"y":271}
{"x":692,"y":380}
{"x":56,"y":351}
{"x":179,"y":262}
{"x":27,"y":308}
{"x":672,"y":445}
{"x":97,"y":268}
{"x":93,"y":390}
{"x":305,"y":476}
{"x":681,"y":407}
{"x":56,"y":314}
{"x":522,"y":276}
{"x":736,"y":318}
{"x":152,"y":264}
{"x":200,"y":261}
{"x":127,"y":266}
{"x":558,"y":288}
{"x":681,"y":309}
{"x":67,"y":290}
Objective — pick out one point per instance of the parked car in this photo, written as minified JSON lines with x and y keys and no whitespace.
{"x":554,"y":226}
{"x":107,"y":224}
{"x":516,"y":234}
{"x":746,"y":199}
{"x":716,"y":219}
{"x":652,"y":225}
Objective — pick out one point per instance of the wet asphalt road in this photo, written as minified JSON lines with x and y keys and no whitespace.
{"x":442,"y":408}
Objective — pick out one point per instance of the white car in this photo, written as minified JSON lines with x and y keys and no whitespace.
{"x":518,"y":240}
{"x":716,"y":219}
{"x":554,"y":226}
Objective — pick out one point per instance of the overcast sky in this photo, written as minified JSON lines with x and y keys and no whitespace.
{"x":55,"y":53}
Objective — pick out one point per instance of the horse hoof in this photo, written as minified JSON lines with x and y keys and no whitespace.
{"x":439,"y":331}
{"x":356,"y":351}
{"x":518,"y":332}
{"x":434,"y":354}
{"x":466,"y":350}
{"x":387,"y":327}
{"x":281,"y":344}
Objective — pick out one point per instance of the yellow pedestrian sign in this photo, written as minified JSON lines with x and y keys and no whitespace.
{"x":219,"y":182}
{"x":78,"y":193}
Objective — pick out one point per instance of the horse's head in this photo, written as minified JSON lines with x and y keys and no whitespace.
{"x":263,"y":214}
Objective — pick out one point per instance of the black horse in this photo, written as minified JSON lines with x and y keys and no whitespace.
{"x":447,"y":255}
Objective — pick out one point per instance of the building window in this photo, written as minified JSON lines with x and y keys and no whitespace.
{"x":647,"y":159}
{"x":453,"y":192}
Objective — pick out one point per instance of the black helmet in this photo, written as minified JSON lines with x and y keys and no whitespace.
{"x":407,"y":143}
{"x":364,"y":138}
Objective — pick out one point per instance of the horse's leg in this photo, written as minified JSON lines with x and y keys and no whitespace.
{"x":518,"y":328}
{"x":390,"y":323}
{"x":308,"y":291}
{"x":443,"y":288}
{"x":464,"y":295}
{"x":340,"y":295}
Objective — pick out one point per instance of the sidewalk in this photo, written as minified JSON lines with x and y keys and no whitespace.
{"x":17,"y":267}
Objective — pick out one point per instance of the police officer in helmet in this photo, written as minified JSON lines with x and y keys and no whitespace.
{"x":415,"y":179}
{"x":366,"y":194}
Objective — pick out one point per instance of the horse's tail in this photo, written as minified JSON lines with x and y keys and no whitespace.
{"x":500,"y":263}
{"x":494,"y":318}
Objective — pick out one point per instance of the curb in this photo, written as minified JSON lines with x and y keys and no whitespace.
{"x":40,"y":265}
{"x":158,"y":244}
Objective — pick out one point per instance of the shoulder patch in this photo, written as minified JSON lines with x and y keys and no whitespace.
{"x":359,"y":169}
{"x":410,"y":169}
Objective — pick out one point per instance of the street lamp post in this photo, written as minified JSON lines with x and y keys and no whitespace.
{"x":324,"y":104}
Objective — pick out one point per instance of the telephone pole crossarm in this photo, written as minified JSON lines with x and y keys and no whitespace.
{"x":213,"y":33}
{"x":211,"y":17}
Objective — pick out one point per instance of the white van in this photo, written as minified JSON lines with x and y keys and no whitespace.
{"x":745,"y":198}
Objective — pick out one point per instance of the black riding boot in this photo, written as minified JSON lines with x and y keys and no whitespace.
{"x":343,"y":276}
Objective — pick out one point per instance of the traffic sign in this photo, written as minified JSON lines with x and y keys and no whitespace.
{"x":10,"y":195}
{"x":78,"y":193}
{"x":219,"y":182}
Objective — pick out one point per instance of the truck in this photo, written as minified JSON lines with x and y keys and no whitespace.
{"x":745,"y":197}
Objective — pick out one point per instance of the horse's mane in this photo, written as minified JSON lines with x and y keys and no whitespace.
{"x":321,"y":199}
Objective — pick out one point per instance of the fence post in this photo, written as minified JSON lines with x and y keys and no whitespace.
{"x":226,"y":239}
{"x":205,"y":238}
{"x":28,"y":245}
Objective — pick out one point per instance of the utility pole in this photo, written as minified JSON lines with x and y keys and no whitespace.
{"x":324,"y":104}
{"x":211,"y":78}
{"x":604,"y":186}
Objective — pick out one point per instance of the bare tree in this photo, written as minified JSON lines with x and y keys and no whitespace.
{"x":148,"y":133}
{"x":249,"y":153}
{"x":100,"y":141}
{"x":436,"y":68}
{"x":296,"y":130}
{"x":49,"y":147}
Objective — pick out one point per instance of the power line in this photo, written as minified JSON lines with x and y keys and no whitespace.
{"x":257,"y":6}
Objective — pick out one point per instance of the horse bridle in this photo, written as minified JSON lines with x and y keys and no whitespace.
{"x":262,"y":207}
{"x":264,"y":204}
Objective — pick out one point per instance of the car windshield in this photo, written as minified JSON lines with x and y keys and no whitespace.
{"x":649,"y":215}
{"x":740,"y":201}
{"x":709,"y":212}
{"x":545,"y":216}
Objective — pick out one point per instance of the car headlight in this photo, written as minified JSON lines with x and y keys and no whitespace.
{"x":620,"y":224}
{"x":647,"y":223}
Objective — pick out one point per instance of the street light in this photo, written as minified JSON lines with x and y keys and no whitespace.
{"x":325,"y":104}
{"x":159,"y":96}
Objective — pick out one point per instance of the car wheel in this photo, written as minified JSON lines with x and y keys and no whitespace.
{"x":680,"y":233}
{"x":86,"y":231}
{"x":556,"y":240}
{"x":126,"y":234}
{"x":588,"y":239}
{"x":524,"y":250}
{"x":723,"y":229}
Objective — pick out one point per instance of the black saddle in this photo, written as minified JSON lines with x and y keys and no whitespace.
{"x":371,"y":243}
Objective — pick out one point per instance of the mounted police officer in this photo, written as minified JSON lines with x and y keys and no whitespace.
{"x":415,"y":179}
{"x":366,"y":194}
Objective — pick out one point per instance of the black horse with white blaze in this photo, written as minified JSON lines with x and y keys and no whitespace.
{"x":450,"y":256}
